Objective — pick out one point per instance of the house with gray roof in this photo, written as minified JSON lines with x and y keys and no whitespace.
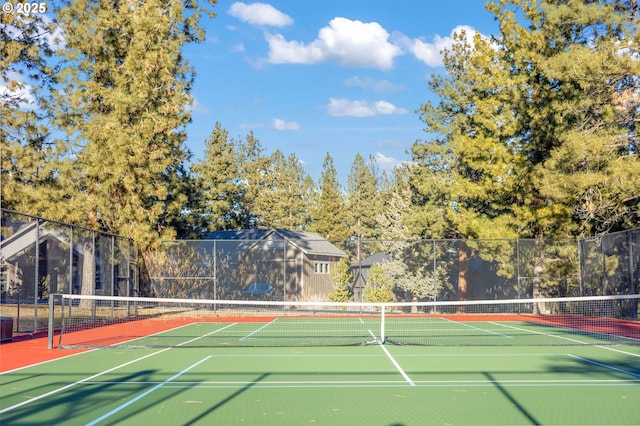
{"x":360,"y":271}
{"x":296,"y":263}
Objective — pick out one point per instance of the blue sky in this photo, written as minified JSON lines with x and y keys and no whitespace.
{"x":316,"y":76}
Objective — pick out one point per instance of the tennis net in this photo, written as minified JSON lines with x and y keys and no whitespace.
{"x":103,"y":321}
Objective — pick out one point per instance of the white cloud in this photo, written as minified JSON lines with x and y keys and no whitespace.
{"x":373,"y":84}
{"x":280,"y":124}
{"x":45,"y":31}
{"x":238,"y":47}
{"x":347,"y":42}
{"x":246,"y":125}
{"x":431,"y":53}
{"x":357,"y":108}
{"x":16,"y":93}
{"x":386,"y":163}
{"x":282,"y":51}
{"x":197,"y":107}
{"x":260,"y":14}
{"x":387,"y":108}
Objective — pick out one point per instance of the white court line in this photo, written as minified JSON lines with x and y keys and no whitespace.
{"x":142,"y":395}
{"x":315,"y":384}
{"x":600,"y":364}
{"x":540,"y":333}
{"x":183,"y":384}
{"x":207,"y":335}
{"x":87,"y":351}
{"x":82,"y":381}
{"x":393,"y":361}
{"x":617,"y":350}
{"x":53,"y":392}
{"x":258,"y":330}
{"x":478,"y":328}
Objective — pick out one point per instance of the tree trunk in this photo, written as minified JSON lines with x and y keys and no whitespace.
{"x":538,"y":271}
{"x":463,"y":267}
{"x":87,"y":286}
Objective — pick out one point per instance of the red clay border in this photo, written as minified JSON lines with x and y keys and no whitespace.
{"x":24,"y":351}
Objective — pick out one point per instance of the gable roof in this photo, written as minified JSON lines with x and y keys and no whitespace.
{"x":310,"y":243}
{"x":367,"y":262}
{"x":26,"y":236}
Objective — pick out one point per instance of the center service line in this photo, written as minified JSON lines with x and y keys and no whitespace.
{"x":393,"y":361}
{"x":258,"y":330}
{"x":142,"y":395}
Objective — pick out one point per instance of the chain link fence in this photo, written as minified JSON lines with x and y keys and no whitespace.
{"x":434,"y":269}
{"x":39,"y":257}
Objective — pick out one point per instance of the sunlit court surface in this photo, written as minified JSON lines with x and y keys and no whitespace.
{"x":264,"y":363}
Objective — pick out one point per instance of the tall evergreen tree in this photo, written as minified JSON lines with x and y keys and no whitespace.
{"x":284,"y":201}
{"x":28,"y":159}
{"x":362,"y":198}
{"x":218,"y":182}
{"x":123,"y":101}
{"x":330,"y":217}
{"x":508,"y":108}
{"x":597,"y":74}
{"x":253,"y":170}
{"x":527,"y":124}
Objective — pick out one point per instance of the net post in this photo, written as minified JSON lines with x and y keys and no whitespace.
{"x":50,"y":327}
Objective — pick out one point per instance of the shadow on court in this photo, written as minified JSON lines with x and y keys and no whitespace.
{"x":237,"y":393}
{"x":511,"y":399}
{"x":79,"y":399}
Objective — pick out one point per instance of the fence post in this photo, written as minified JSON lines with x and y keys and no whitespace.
{"x":580,"y":243}
{"x":70,"y":289}
{"x":37,"y":276}
{"x":50,"y":328}
{"x":114,"y":279}
{"x":284,"y":269}
{"x":435,"y":274}
{"x":632,"y":284}
{"x":518,"y":267}
{"x":215,"y":270}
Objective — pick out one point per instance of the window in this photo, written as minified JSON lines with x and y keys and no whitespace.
{"x":321,"y":268}
{"x":3,"y":279}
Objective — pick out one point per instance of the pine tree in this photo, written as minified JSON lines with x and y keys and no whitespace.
{"x":519,"y":115}
{"x":379,"y":287}
{"x":217,"y":182}
{"x":362,"y":198}
{"x":28,"y":159}
{"x":342,"y":277}
{"x":596,"y":79}
{"x":330,"y":217}
{"x":284,"y":201}
{"x":535,"y":131}
{"x":123,"y":98}
{"x":253,"y":170}
{"x":409,"y":266}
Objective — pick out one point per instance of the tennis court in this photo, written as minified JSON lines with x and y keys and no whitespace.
{"x":276,"y":369}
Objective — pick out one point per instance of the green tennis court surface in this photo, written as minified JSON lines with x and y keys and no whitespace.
{"x":577,"y":383}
